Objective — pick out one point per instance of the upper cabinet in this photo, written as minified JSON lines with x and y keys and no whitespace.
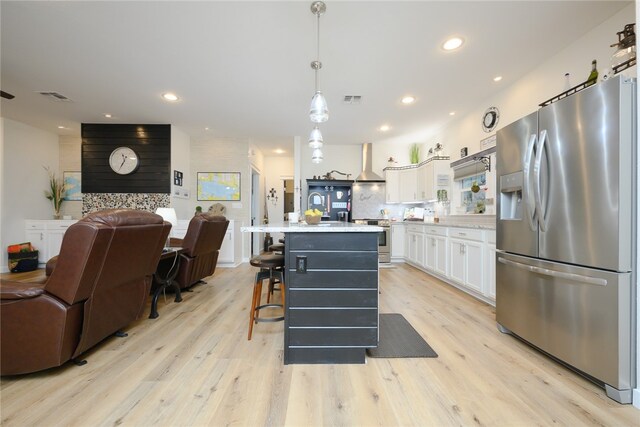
{"x":392,"y":187}
{"x":418,"y":183}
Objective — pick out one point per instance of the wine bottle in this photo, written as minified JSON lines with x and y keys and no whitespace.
{"x":593,"y":77}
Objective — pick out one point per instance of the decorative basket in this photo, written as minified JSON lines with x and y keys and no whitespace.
{"x":313,"y":219}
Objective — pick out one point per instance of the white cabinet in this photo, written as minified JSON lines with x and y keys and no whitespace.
{"x":34,"y":233}
{"x":46,"y":236}
{"x":392,"y":185}
{"x":491,"y":264}
{"x":415,"y":246}
{"x":397,"y":242}
{"x":436,"y":249}
{"x":425,"y":182}
{"x":466,"y":257}
{"x":226,"y":254}
{"x":408,"y":185}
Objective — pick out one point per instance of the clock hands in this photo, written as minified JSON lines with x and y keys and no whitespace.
{"x":124,"y":159}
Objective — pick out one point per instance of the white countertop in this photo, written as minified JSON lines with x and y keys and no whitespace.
{"x":458,"y":224}
{"x":323,"y":227}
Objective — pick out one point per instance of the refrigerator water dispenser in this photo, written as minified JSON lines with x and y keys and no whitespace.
{"x":511,"y":196}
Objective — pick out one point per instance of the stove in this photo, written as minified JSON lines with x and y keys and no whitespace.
{"x":384,"y":237}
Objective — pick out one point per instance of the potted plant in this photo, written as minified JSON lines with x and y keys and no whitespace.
{"x":414,"y":154}
{"x":198,"y":211}
{"x":55,"y":193}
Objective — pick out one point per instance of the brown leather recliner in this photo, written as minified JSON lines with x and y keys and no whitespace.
{"x":99,"y":285}
{"x":202,"y":245}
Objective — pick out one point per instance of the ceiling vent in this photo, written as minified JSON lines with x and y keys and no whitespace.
{"x":352,"y":99}
{"x":55,"y":96}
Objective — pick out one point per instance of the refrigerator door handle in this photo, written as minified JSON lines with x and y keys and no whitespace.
{"x":536,"y":174}
{"x":553,"y":273}
{"x":529,"y":202}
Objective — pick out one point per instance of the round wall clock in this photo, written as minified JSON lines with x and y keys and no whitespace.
{"x":124,"y":160}
{"x":490,"y":119}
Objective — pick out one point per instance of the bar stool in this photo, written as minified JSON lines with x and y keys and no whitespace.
{"x":271,"y":266}
{"x":277,"y":247}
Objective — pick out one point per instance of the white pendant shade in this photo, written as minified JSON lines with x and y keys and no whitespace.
{"x":316,"y":157}
{"x":315,"y":138}
{"x":319,"y":112}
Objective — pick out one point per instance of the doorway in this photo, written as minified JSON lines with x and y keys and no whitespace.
{"x":255,"y":210}
{"x":289,"y":196}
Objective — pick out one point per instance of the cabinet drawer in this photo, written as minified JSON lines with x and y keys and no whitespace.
{"x":332,"y":279}
{"x":336,"y":260}
{"x":333,"y":336}
{"x":333,"y":298}
{"x":333,"y":317}
{"x":59,"y":225}
{"x":332,"y":241}
{"x":415,"y":228}
{"x":436,"y":231}
{"x":466,"y":233}
{"x":34,"y":225}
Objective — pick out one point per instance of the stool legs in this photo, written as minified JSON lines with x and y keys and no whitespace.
{"x":254,"y":313}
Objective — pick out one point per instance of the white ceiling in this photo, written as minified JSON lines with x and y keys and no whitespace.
{"x":242,"y":68}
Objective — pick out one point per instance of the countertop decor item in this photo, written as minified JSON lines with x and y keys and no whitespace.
{"x":55,"y":193}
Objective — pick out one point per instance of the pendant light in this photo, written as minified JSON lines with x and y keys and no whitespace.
{"x":315,"y":138}
{"x":316,"y":157}
{"x":319,"y":112}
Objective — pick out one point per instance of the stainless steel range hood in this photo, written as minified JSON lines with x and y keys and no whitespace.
{"x":367,"y":174}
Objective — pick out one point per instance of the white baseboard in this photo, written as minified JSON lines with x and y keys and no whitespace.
{"x":636,"y":397}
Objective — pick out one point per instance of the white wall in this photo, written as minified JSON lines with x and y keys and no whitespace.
{"x":25,"y":150}
{"x":523,"y":96}
{"x":224,"y":155}
{"x":276,"y":169}
{"x":181,"y":161}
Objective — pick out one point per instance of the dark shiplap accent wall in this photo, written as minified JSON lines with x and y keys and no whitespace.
{"x":152,"y":143}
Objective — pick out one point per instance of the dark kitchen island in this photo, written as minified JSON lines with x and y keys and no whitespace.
{"x":331,"y":313}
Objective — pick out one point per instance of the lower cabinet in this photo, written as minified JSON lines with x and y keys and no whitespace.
{"x":464,"y":257}
{"x":46,"y":236}
{"x":397,"y":242}
{"x":436,"y":250}
{"x":491,"y":264}
{"x":415,"y":245}
{"x":331,"y":297}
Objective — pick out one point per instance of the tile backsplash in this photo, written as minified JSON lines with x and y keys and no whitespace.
{"x":92,"y":202}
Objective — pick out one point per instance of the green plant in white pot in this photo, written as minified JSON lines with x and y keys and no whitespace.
{"x":55,"y":193}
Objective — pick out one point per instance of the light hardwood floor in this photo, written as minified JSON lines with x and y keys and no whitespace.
{"x":194,"y":366}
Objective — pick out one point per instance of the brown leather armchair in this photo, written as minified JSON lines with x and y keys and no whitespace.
{"x":100,"y":284}
{"x":202,"y":245}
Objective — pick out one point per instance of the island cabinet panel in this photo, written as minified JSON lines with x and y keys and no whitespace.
{"x":331,"y":297}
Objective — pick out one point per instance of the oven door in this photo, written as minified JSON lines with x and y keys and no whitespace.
{"x":384,"y":245}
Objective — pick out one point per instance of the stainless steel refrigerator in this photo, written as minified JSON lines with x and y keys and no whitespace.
{"x":565,"y":279}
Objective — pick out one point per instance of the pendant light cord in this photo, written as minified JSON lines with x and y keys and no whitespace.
{"x":317,"y":48}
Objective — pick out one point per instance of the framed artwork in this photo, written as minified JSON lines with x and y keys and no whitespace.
{"x":177,"y":178}
{"x":72,"y":182}
{"x":219,"y":186}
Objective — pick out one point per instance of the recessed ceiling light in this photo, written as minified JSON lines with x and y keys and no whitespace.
{"x":452,"y":113}
{"x":453,"y":43}
{"x":385,"y":128}
{"x":107,"y":115}
{"x":497,"y":78}
{"x":61,"y":127}
{"x":408,"y":99}
{"x":170,"y":96}
{"x":279,"y":151}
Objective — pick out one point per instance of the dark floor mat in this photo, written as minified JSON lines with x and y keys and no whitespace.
{"x":399,"y":339}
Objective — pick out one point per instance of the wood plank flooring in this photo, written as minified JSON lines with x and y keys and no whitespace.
{"x":194,"y":367}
